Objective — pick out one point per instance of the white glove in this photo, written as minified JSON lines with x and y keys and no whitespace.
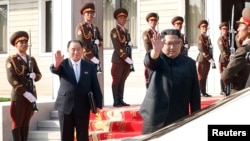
{"x":33,"y":75}
{"x":186,"y":46}
{"x":29,"y":96}
{"x":97,"y":42}
{"x":211,"y":61}
{"x":95,"y":60}
{"x":129,"y":60}
{"x":130,"y":43}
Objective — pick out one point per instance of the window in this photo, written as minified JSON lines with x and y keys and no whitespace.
{"x":3,"y":29}
{"x":48,"y":46}
{"x":109,"y":22}
{"x":46,"y":26}
{"x":196,"y":12}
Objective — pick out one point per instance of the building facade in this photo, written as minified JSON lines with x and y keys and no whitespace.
{"x":52,"y":24}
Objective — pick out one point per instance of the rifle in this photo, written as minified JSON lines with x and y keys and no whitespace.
{"x":96,"y":49}
{"x":31,"y":81}
{"x":129,"y":50}
{"x":210,"y":48}
{"x":232,"y":50}
{"x":185,"y":45}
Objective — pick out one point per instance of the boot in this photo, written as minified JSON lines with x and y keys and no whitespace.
{"x":122,"y":102}
{"x":117,"y":102}
{"x":24,"y":133}
{"x":16,"y":133}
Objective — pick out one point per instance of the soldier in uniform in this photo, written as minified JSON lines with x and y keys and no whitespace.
{"x":237,"y":70}
{"x":177,"y":22}
{"x":204,"y":57}
{"x":224,"y":47}
{"x":89,"y":33}
{"x":23,"y":93}
{"x":121,"y":62}
{"x":152,"y":19}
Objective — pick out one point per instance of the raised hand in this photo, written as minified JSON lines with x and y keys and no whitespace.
{"x":158,"y":44}
{"x":58,"y":58}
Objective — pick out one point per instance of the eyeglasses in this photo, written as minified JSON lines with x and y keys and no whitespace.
{"x":174,"y":43}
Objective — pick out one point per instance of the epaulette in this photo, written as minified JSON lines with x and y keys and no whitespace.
{"x":13,"y":56}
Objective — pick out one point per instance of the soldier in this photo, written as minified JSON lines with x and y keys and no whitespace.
{"x":237,"y":70}
{"x":204,"y":57}
{"x":89,"y":33}
{"x":120,"y":69}
{"x":177,"y":22}
{"x":23,"y":94}
{"x":224,"y":47}
{"x":152,"y":19}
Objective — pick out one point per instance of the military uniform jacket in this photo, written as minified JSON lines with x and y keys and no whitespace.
{"x":119,"y":38}
{"x":85,"y":33}
{"x":237,"y":70}
{"x":173,"y":86}
{"x":223,"y":45}
{"x":17,"y":75}
{"x":184,"y":50}
{"x":204,"y":55}
{"x":146,"y":36}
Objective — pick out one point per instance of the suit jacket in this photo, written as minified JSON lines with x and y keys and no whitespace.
{"x":73,"y":95}
{"x":173,"y":86}
{"x":17,"y":74}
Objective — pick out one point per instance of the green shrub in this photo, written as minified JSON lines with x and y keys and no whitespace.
{"x":3,"y":99}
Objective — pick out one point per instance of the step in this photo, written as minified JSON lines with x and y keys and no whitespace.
{"x":110,"y":124}
{"x":44,"y":136}
{"x":116,"y":126}
{"x":48,"y":125}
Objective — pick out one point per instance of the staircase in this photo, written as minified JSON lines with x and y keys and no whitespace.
{"x":110,"y":123}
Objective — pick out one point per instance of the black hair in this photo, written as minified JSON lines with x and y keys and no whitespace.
{"x":76,"y":41}
{"x":171,"y":32}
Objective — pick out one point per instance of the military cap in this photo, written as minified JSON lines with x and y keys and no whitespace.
{"x":177,"y":18}
{"x":19,"y":36}
{"x":171,"y":32}
{"x":245,"y":19}
{"x":88,"y":7}
{"x":120,"y":12}
{"x":223,"y":24}
{"x":152,"y":16}
{"x":202,"y":22}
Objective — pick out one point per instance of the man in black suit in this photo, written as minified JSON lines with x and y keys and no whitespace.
{"x":173,"y":91}
{"x":77,"y":78}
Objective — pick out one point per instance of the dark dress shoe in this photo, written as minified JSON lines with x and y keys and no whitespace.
{"x":124,"y":104}
{"x":117,"y":104}
{"x":205,"y":95}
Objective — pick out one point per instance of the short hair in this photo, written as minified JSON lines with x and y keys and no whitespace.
{"x":171,"y":32}
{"x":76,"y":41}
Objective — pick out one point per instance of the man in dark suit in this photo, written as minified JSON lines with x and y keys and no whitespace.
{"x":23,"y":93}
{"x":77,"y":78}
{"x":152,"y":19}
{"x":121,"y":62}
{"x":174,"y":85}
